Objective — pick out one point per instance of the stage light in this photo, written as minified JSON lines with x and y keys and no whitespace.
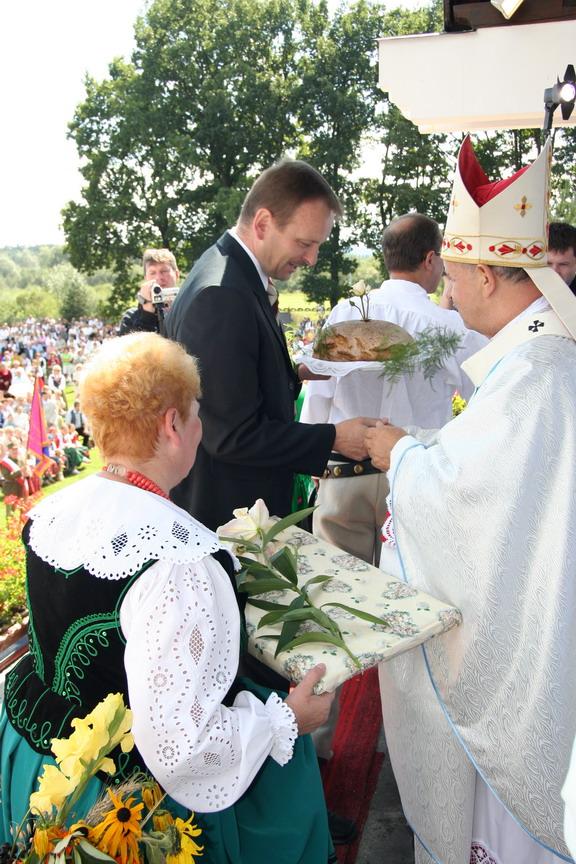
{"x":563,"y":93}
{"x":567,"y":92}
{"x":507,"y":7}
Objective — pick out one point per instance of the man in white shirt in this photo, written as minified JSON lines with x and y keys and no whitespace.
{"x":352,"y":501}
{"x":480,"y":722}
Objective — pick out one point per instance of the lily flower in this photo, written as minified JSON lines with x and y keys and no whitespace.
{"x":248,"y":524}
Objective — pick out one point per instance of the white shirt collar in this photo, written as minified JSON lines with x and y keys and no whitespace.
{"x":263,"y":276}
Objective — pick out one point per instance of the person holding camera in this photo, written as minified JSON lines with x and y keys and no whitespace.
{"x":156,"y":293}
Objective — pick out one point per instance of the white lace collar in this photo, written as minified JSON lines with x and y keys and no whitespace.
{"x":112,"y":529}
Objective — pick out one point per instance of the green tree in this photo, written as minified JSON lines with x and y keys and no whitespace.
{"x":9,"y":274}
{"x":60,"y":278}
{"x":75,"y":301}
{"x":172,"y":140}
{"x":411,"y":171}
{"x":34,"y":302}
{"x":336,"y":102}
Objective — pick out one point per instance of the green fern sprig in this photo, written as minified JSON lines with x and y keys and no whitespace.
{"x":427,"y":353}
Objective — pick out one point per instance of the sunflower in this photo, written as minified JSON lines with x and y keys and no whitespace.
{"x":162,"y":819}
{"x":185,"y":848}
{"x":119,"y":831}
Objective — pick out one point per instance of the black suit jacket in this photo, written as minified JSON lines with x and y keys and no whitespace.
{"x":251,"y":445}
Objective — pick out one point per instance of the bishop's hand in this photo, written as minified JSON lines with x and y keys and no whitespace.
{"x":379,"y":442}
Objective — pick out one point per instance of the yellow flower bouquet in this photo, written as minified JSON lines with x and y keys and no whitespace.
{"x":126,"y":825}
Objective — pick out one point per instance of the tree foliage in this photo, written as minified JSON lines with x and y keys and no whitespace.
{"x":173,"y":140}
{"x":336,"y":102}
{"x":216,"y":90}
{"x":38,"y":282}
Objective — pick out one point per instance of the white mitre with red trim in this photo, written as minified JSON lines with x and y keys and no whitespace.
{"x":505,"y":223}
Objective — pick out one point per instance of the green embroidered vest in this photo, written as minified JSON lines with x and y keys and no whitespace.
{"x":76,"y":654}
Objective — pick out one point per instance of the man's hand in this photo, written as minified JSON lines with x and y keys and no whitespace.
{"x":379,"y":442}
{"x":350,"y":437}
{"x":305,"y":374}
{"x":145,"y":295}
{"x":310,"y":711}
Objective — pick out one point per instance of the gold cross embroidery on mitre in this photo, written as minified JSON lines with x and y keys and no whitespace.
{"x":523,"y":207}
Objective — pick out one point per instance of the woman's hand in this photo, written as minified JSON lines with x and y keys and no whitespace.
{"x":310,"y":711}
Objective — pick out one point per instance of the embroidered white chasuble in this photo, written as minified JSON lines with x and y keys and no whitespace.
{"x":485,"y":518}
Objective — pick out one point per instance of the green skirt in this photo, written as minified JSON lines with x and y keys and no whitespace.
{"x":281,"y":817}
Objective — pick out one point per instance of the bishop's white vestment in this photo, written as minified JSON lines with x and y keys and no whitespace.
{"x":484,"y":517}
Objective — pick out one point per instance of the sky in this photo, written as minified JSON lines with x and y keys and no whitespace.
{"x":47,"y":48}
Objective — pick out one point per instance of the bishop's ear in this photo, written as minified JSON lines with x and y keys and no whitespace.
{"x":486,"y":279}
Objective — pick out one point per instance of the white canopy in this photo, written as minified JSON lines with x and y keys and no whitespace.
{"x":491,"y":78}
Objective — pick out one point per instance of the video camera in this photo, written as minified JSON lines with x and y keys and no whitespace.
{"x":162,"y":297}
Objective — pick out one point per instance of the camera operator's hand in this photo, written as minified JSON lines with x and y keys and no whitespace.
{"x":145,"y":295}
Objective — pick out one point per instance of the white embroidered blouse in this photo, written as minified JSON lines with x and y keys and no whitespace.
{"x":182,"y":629}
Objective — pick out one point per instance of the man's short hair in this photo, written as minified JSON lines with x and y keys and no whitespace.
{"x":561,"y":237}
{"x":408,"y":239}
{"x":510,"y":274}
{"x":284,"y":187}
{"x":158,"y":256}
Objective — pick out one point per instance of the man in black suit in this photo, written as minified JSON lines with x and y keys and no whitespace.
{"x":252,"y":446}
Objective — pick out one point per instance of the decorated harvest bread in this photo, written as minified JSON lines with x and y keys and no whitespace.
{"x":359,"y":340}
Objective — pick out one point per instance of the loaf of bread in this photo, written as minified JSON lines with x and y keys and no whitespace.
{"x":358,"y":340}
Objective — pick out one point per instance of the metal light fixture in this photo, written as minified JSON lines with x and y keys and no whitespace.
{"x":507,"y":7}
{"x":562,"y":94}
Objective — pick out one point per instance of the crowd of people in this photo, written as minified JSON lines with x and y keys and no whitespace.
{"x":53,"y":354}
{"x":478,"y":510}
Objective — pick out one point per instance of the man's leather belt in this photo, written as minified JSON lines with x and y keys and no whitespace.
{"x":349,"y":469}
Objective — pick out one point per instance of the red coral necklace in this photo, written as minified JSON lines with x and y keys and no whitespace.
{"x":135,"y":478}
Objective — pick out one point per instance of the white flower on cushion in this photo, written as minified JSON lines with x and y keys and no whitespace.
{"x":248,"y":524}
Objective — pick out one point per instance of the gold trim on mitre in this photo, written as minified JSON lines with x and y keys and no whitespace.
{"x":508,"y":230}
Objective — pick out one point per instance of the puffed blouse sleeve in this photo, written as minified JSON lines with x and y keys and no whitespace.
{"x":182,"y":630}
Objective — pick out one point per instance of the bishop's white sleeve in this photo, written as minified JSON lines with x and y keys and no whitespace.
{"x":181,"y":625}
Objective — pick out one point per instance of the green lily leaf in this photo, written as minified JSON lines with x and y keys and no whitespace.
{"x":366,"y":616}
{"x":273,"y":617}
{"x":76,"y":856}
{"x":253,"y":566}
{"x":313,"y":637}
{"x":315,"y":580}
{"x":321,"y":637}
{"x":248,"y":545}
{"x":285,"y":562}
{"x":266,"y":573}
{"x":290,"y":628}
{"x":267,"y":604}
{"x":262,"y":586}
{"x":311,"y":613}
{"x":286,"y":522}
